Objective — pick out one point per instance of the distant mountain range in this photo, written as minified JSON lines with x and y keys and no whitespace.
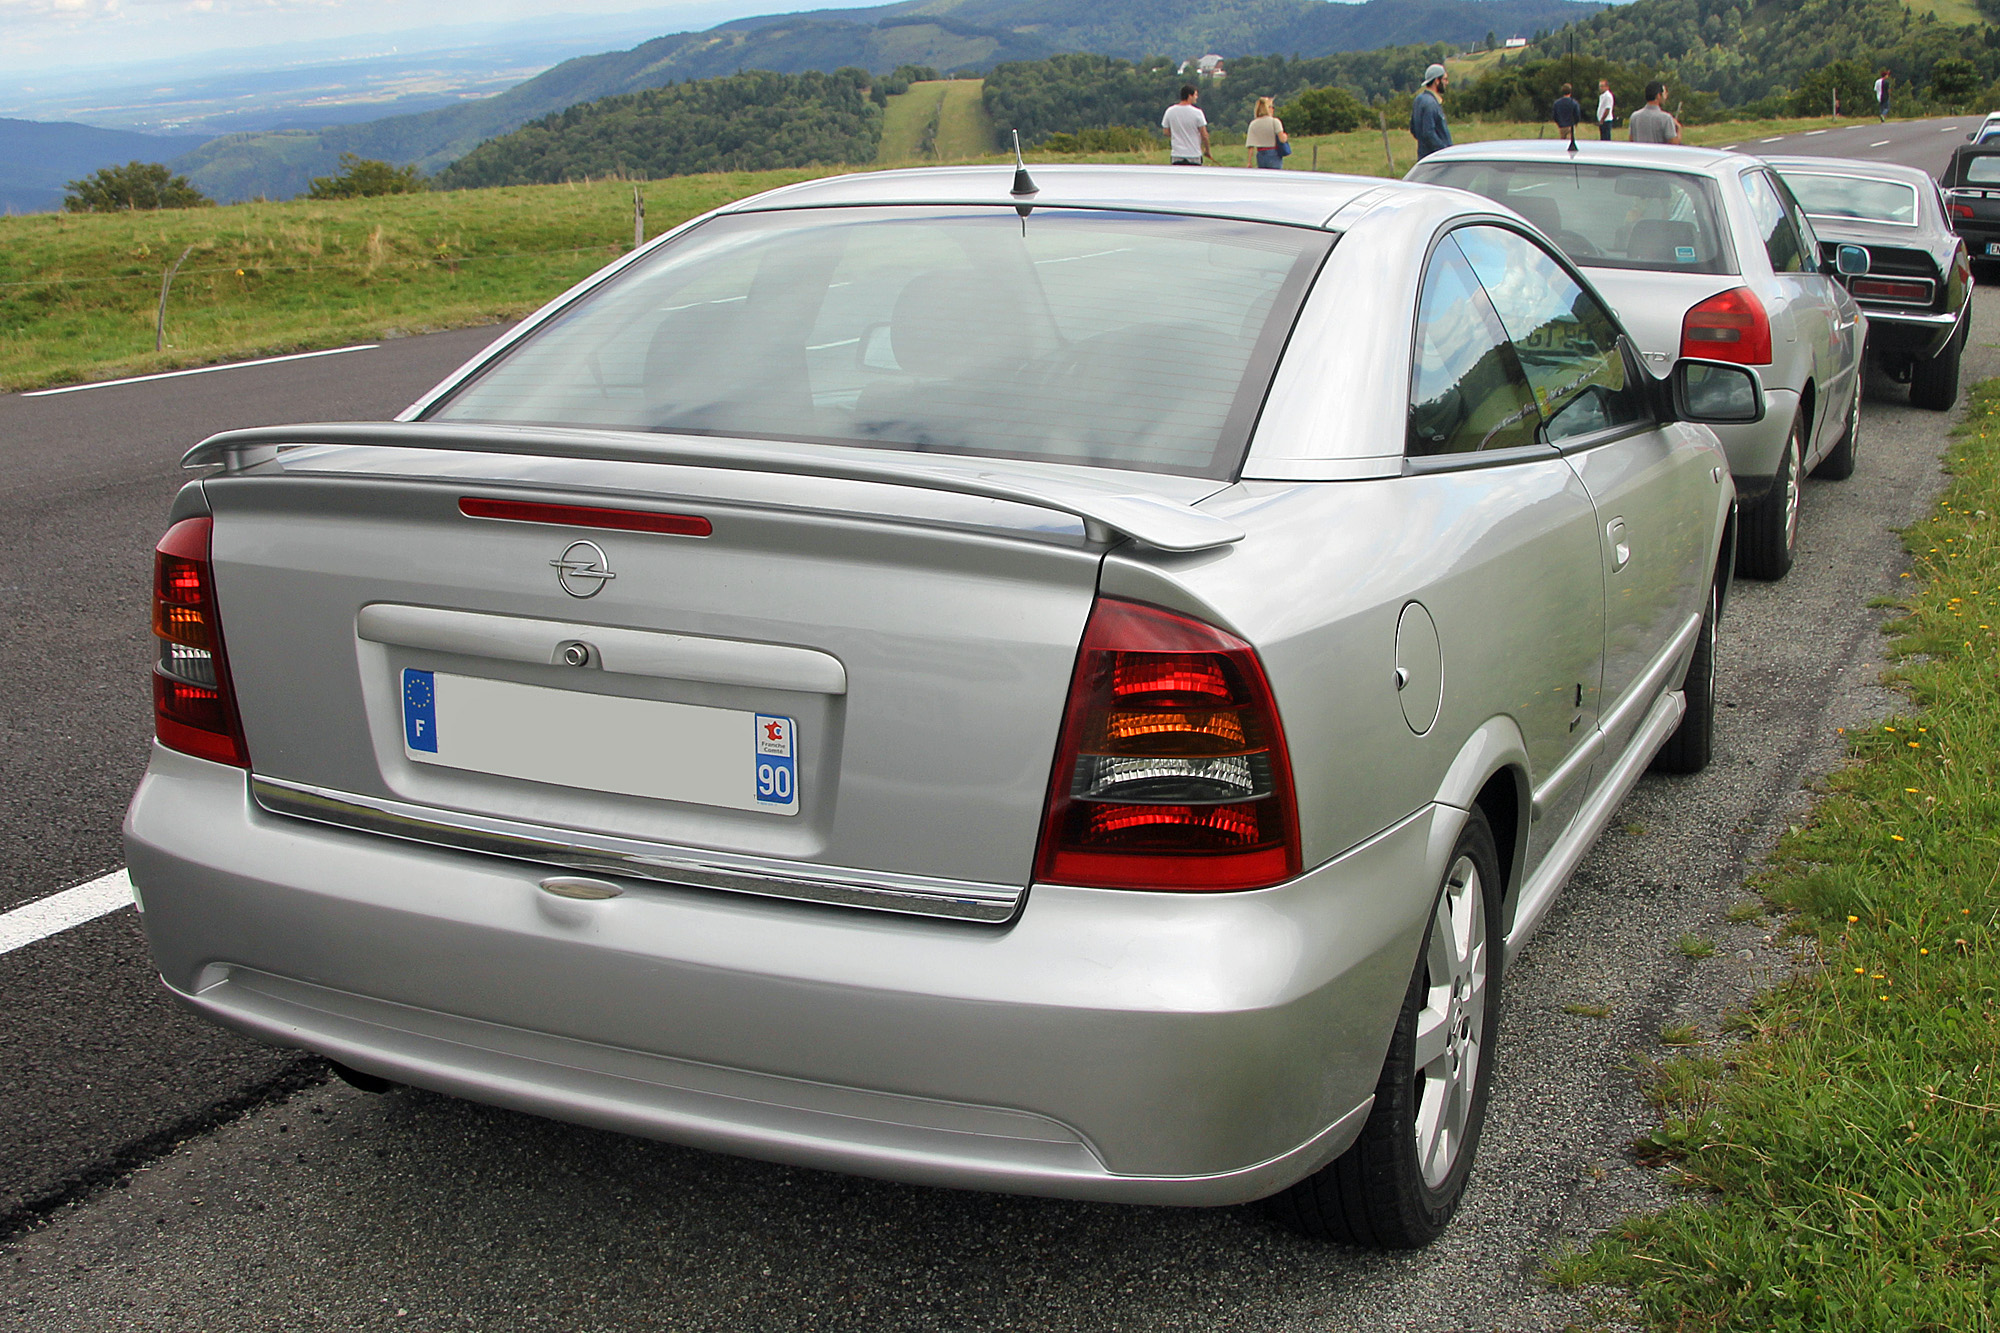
{"x":39,"y":158}
{"x":944,"y":34}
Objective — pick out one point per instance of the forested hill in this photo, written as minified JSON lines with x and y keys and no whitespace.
{"x":745,"y":122}
{"x":942,"y":34}
{"x":1742,"y":51}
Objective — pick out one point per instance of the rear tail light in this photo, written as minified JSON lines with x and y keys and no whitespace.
{"x":1729,"y":326}
{"x":194,"y":708}
{"x":1172,"y":771}
{"x":1912,"y":291}
{"x":1959,"y":210}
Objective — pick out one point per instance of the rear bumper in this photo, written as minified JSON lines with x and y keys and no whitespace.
{"x":1135,"y":1047}
{"x":1754,"y":450}
{"x":1911,"y":332}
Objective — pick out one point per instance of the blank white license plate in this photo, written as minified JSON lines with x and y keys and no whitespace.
{"x":598,"y":742}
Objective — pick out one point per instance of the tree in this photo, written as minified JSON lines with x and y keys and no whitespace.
{"x":1954,"y":79}
{"x":135,"y":185}
{"x":1847,"y":78}
{"x":361,"y":177}
{"x":1322,"y":111}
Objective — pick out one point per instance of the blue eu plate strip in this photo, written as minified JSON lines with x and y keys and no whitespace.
{"x":776,"y":759}
{"x":420,"y":728}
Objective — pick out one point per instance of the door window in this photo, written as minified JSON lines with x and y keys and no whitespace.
{"x":1467,"y":389}
{"x":1774,"y":224}
{"x":1567,"y":343}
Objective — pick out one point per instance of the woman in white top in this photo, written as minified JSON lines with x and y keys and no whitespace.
{"x":1266,"y":133}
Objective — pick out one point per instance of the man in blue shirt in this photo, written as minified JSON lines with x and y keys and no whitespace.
{"x":1427,"y":125}
{"x":1568,"y":111}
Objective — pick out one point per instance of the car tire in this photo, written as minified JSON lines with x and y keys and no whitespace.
{"x":1770,"y":528}
{"x":1390,"y":1189}
{"x":1693,"y":741}
{"x":1838,"y":465}
{"x":1934,"y":380}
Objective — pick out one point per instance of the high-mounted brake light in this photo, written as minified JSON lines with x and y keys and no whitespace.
{"x":1172,"y":771}
{"x":1729,"y":326}
{"x":194,"y":708}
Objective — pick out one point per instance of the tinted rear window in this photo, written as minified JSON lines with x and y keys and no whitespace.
{"x":1854,"y":197}
{"x":1076,"y":336}
{"x":1604,"y":216}
{"x":1982,"y":170}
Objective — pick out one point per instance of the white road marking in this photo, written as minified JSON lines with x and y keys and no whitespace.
{"x":59,"y":911}
{"x":202,"y":370}
{"x":1726,"y":147}
{"x":1811,"y":133}
{"x":1879,"y":143}
{"x":1771,"y":140}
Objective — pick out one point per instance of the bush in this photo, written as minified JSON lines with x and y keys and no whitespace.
{"x":1848,"y":78}
{"x":363,"y":177}
{"x":1115,"y":139}
{"x":1954,"y":80}
{"x":136,"y":185}
{"x":1323,"y":111}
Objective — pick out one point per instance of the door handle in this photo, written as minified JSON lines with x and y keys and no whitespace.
{"x":1621,"y":554}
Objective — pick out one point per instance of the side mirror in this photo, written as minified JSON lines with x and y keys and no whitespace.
{"x":1716,"y":393}
{"x":1850,"y":261}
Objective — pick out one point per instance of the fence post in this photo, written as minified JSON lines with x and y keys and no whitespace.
{"x":638,"y":218}
{"x":166,"y":284}
{"x":1315,"y":157}
{"x":1382,"y":117}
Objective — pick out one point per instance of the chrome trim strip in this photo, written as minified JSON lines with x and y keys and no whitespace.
{"x":606,"y":854}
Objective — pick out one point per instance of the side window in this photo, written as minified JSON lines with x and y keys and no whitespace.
{"x":1808,"y":238}
{"x":1567,"y":342}
{"x":1467,"y":391}
{"x":1774,"y":225}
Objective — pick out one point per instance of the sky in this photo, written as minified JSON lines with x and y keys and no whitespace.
{"x":43,"y":36}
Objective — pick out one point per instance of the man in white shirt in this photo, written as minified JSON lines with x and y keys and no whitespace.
{"x":1187,"y":129}
{"x":1606,"y":109}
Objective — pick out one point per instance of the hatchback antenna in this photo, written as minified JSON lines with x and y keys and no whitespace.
{"x":1025,"y":188}
{"x":1572,"y":141}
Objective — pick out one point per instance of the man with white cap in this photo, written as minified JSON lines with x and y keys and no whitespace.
{"x":1427,"y":115}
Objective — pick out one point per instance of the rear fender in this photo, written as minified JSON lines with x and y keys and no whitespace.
{"x":1496,"y":748}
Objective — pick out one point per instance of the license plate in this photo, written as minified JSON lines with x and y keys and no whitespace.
{"x":599,"y":742}
{"x":1993,"y":249}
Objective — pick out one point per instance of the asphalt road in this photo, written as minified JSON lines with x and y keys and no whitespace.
{"x":158,"y":1174}
{"x":1912,"y":143}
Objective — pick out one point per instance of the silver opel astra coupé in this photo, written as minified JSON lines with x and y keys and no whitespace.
{"x":1072,"y":685}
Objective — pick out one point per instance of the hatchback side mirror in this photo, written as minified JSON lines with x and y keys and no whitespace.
{"x":1716,"y":393}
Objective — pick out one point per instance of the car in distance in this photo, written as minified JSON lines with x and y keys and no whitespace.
{"x":1971,"y":184}
{"x":862,"y":682}
{"x":1706,"y":253}
{"x":1917,"y":292}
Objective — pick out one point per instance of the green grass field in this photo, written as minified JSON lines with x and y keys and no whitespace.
{"x":963,"y":129}
{"x":1843,"y":1148}
{"x":78,"y":291}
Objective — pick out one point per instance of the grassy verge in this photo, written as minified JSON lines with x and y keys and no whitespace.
{"x":1846,"y":1149}
{"x":78,"y":292}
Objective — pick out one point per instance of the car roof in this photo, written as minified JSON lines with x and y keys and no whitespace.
{"x":1646,"y":156}
{"x":1847,"y":166}
{"x":1297,"y":198}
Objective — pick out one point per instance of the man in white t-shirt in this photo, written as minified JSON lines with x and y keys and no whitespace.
{"x":1187,"y":129}
{"x":1606,"y":110}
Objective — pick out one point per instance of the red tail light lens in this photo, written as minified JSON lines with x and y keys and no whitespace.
{"x":1172,"y":771}
{"x":194,"y":709}
{"x":1729,"y":326}
{"x":1910,"y":291}
{"x":1959,"y":210}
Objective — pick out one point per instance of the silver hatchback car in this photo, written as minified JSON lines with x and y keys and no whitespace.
{"x":1705,"y":252}
{"x":1072,"y":686}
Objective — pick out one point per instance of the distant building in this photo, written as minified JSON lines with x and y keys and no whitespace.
{"x":1514,"y":43}
{"x":1208,"y":67}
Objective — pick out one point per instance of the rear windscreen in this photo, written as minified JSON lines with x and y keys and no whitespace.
{"x":1982,"y":170}
{"x":1854,"y":197}
{"x":1076,"y":336}
{"x":1604,"y":216}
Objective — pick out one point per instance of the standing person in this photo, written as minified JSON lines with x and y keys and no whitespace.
{"x":1187,"y":129}
{"x":1267,"y":132}
{"x":1653,"y":123}
{"x":1567,"y":111}
{"x":1882,"y":91}
{"x":1427,"y":125}
{"x":1607,"y":110}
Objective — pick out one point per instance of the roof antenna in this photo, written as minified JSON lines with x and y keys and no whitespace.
{"x":1572,"y":140}
{"x":1025,"y":188}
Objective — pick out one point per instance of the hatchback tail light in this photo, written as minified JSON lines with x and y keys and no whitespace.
{"x":1172,"y":771}
{"x":1729,"y":326}
{"x":194,"y":708}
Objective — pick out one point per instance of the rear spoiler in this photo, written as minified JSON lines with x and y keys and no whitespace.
{"x":1105,"y":510}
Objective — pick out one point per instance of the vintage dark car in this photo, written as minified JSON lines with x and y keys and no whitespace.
{"x":1918,"y":288}
{"x":1971,"y":183}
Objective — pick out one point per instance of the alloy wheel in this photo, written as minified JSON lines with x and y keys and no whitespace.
{"x":1452,"y":1023}
{"x":1794,"y":485}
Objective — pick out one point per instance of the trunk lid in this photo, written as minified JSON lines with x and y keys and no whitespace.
{"x":1650,"y":304}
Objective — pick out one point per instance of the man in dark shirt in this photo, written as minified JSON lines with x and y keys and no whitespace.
{"x":1427,"y":125}
{"x":1568,"y":111}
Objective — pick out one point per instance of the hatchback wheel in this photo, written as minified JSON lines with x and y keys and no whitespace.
{"x":1770,"y":528}
{"x":1693,"y":741}
{"x":1838,"y":465}
{"x":1400,"y":1182}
